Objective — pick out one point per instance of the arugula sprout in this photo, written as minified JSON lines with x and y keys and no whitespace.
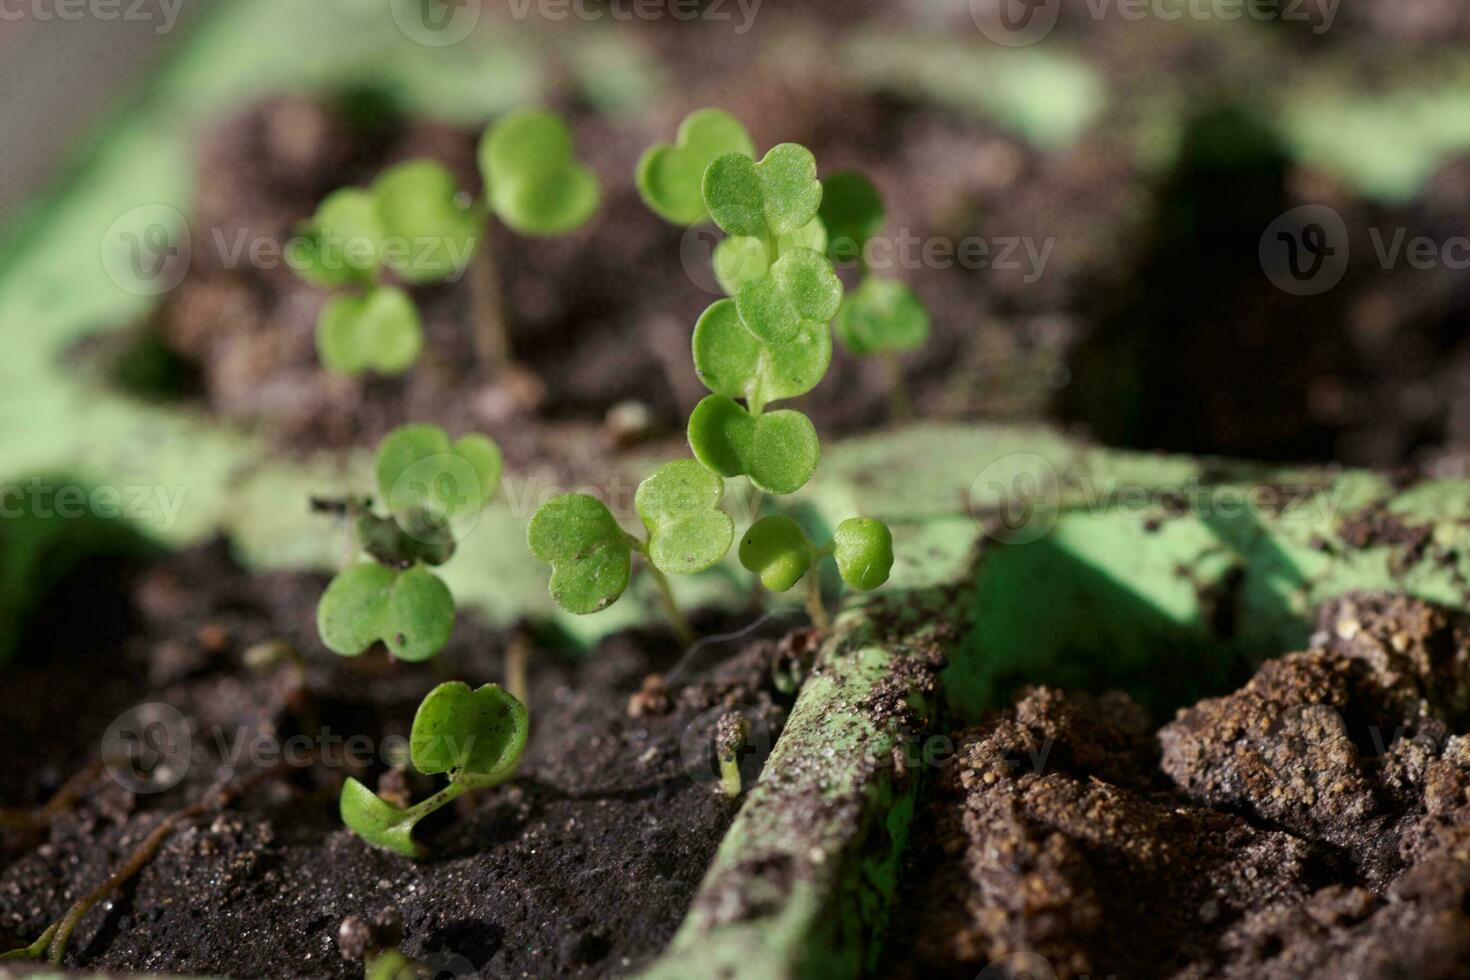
{"x":778,"y":551}
{"x":591,"y":555}
{"x":882,"y":316}
{"x":430,"y":487}
{"x":414,"y":225}
{"x":476,"y":737}
{"x":670,"y":178}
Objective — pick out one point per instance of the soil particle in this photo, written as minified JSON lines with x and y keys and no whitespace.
{"x":583,"y":866}
{"x":1313,"y":823}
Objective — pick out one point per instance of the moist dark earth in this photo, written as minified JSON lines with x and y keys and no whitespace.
{"x":1316,"y":822}
{"x":583,"y":866}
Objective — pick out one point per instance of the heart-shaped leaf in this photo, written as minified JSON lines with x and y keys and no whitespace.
{"x":378,"y":332}
{"x":478,"y":732}
{"x":379,"y":823}
{"x":732,"y":361}
{"x":775,"y":196}
{"x":881,"y":315}
{"x":680,"y":506}
{"x":852,"y":210}
{"x":776,"y":549}
{"x":533,"y":181}
{"x":342,"y":240}
{"x":429,"y":229}
{"x":671,"y":177}
{"x":738,"y":260}
{"x":864,"y":552}
{"x":802,"y":286}
{"x":423,"y":476}
{"x":590,"y":555}
{"x":411,"y":611}
{"x":779,"y":451}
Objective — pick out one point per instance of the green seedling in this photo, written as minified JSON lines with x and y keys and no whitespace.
{"x":430,"y":487}
{"x":415,"y":225}
{"x":731,"y":735}
{"x":670,"y":177}
{"x":882,"y":316}
{"x":475,"y":737}
{"x":779,"y":552}
{"x":591,"y":555}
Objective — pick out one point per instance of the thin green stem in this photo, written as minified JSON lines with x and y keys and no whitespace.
{"x":487,"y":302}
{"x":685,"y":632}
{"x":451,"y":792}
{"x":815,"y":608}
{"x":900,"y":405}
{"x":517,"y":659}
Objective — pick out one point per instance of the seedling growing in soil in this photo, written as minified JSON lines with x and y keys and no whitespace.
{"x":776,"y":549}
{"x":476,"y":737}
{"x":414,"y":225}
{"x":591,"y":555}
{"x":770,"y":341}
{"x":882,"y":316}
{"x":428,"y":486}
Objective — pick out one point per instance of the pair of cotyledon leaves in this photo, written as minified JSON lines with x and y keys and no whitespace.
{"x":477,"y":736}
{"x":777,"y":550}
{"x":591,"y":556}
{"x":429,"y":484}
{"x":415,"y":222}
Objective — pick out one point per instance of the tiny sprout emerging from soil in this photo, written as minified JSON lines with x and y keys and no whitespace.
{"x":414,"y":225}
{"x":476,"y":737}
{"x":427,"y":484}
{"x":591,"y":555}
{"x":731,"y":734}
{"x":778,"y":551}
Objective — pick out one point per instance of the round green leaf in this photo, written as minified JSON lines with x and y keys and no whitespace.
{"x":429,"y":230}
{"x":864,"y":552}
{"x":738,"y":260}
{"x":680,"y":506}
{"x":779,"y":451}
{"x":590,"y":555}
{"x":852,"y":210}
{"x":532,"y":180}
{"x":802,"y":286}
{"x":379,"y":823}
{"x":775,"y":196}
{"x":522,"y":142}
{"x":670,"y":177}
{"x":731,"y":361}
{"x":479,"y":732}
{"x":343,"y":239}
{"x":420,"y":615}
{"x":548,"y":204}
{"x":881,"y":315}
{"x":352,"y":613}
{"x":377,"y":332}
{"x":776,"y":549}
{"x":420,"y":471}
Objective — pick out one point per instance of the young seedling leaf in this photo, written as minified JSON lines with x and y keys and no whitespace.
{"x":351,"y":613}
{"x":429,"y":229}
{"x":423,"y":476}
{"x":670,"y":177}
{"x":590,"y":555}
{"x":344,"y":237}
{"x":481,"y":733}
{"x":863,"y":548}
{"x":732,"y":361}
{"x":418,"y":538}
{"x":411,"y":611}
{"x":852,"y":210}
{"x":680,"y":506}
{"x":738,"y":260}
{"x":777,"y":450}
{"x":881,"y":315}
{"x":378,"y":332}
{"x":380,"y":824}
{"x":766,"y":199}
{"x":533,"y":181}
{"x":776,"y":549}
{"x":802,"y":286}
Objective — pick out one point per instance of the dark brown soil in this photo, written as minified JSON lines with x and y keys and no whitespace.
{"x":1314,"y":823}
{"x":584,"y":865}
